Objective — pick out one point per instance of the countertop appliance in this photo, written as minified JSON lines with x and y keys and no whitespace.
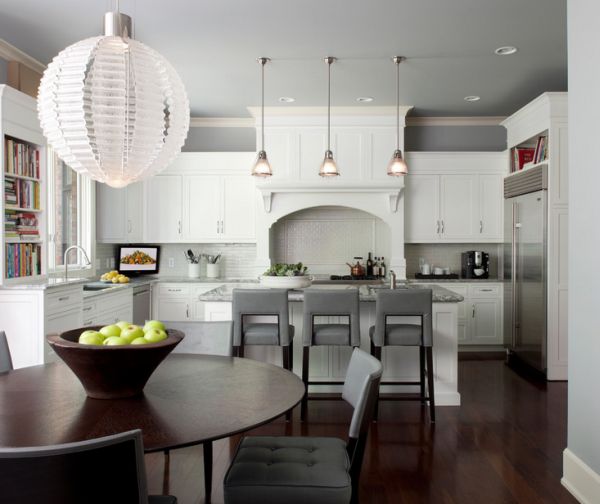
{"x":475,"y":264}
{"x":525,"y":266}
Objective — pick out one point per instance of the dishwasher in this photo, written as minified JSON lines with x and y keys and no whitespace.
{"x":141,"y":304}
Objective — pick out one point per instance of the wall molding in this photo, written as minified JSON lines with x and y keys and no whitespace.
{"x":11,"y":53}
{"x":222,"y":122}
{"x":455,"y":121}
{"x":580,"y":479}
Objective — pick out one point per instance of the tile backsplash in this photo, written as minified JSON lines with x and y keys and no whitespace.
{"x":447,"y":255}
{"x":237,"y":260}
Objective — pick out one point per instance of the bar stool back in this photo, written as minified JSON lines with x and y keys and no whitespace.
{"x":404,"y":303}
{"x":333,"y":303}
{"x":268,"y":302}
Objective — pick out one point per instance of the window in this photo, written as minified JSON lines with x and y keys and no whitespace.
{"x":69,"y":213}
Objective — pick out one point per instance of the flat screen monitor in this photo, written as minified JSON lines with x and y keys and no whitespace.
{"x":138,"y":259}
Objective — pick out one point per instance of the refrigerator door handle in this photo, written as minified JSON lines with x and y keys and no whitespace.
{"x":515,"y":226}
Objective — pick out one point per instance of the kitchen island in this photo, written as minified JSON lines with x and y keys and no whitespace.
{"x":401,"y":364}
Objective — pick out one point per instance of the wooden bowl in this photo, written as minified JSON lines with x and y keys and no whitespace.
{"x":111,"y":372}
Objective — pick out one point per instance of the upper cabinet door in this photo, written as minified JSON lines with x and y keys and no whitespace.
{"x":164,"y":208}
{"x":134,"y":203}
{"x":459,"y":207}
{"x":491,"y":203}
{"x":421,"y":208}
{"x":202,"y":208}
{"x":111,"y":214}
{"x":239,"y":204}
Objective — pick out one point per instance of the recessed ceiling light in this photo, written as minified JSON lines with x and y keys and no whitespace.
{"x":287,"y":99}
{"x":364,"y":99}
{"x":505,"y":50}
{"x":472,"y":98}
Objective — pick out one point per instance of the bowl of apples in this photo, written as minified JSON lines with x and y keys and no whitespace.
{"x":116,"y":360}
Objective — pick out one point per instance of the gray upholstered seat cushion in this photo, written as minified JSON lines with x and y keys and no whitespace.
{"x":401,"y":334}
{"x":331,"y":334}
{"x":289,"y":470}
{"x":263,"y":334}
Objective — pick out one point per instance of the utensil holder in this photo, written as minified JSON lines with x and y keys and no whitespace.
{"x":212,"y":270}
{"x":194,"y":270}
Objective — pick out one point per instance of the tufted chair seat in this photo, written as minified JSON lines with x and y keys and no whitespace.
{"x":290,"y":470}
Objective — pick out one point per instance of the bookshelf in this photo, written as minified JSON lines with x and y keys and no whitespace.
{"x":23,"y":251}
{"x":530,"y":153}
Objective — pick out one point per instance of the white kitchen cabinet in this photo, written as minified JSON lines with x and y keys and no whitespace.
{"x":119,"y":213}
{"x":178,"y":302}
{"x":163,"y":216}
{"x":108,"y":307}
{"x":485,"y":323}
{"x":238,"y":207}
{"x":454,"y":197}
{"x":173,"y":309}
{"x":202,"y":208}
{"x":58,"y":323}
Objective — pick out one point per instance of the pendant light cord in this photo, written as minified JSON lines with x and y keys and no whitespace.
{"x":328,"y":104}
{"x":397,"y":105}
{"x":262,"y":120}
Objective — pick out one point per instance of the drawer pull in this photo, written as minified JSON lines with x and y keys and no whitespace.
{"x":486,"y":290}
{"x":87,"y":309}
{"x":174,"y":290}
{"x":64,"y":298}
{"x":87,"y":322}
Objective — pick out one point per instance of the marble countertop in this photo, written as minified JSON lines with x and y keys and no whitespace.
{"x":454,"y":280}
{"x":366,"y":293}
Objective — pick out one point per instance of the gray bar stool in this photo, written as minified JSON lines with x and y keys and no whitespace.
{"x":269,"y":302}
{"x":404,"y":303}
{"x":325,"y":302}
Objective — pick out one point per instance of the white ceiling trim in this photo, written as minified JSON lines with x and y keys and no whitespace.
{"x":455,"y":121}
{"x":10,"y":53}
{"x":337,"y":111}
{"x":222,"y":122}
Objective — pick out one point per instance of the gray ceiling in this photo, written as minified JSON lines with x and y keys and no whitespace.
{"x":214,"y":43}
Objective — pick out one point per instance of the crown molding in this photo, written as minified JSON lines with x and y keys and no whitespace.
{"x":222,"y":122}
{"x":11,"y":53}
{"x":455,"y":121}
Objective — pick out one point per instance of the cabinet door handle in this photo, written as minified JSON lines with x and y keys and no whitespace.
{"x":174,"y":290}
{"x":486,"y":290}
{"x":218,"y":227}
{"x":480,"y":226}
{"x":222,"y":227}
{"x":187,"y":311}
{"x":87,"y":309}
{"x":129,"y":226}
{"x":87,"y":323}
{"x":64,"y":298}
{"x":179,"y":227}
{"x":473,"y":311}
{"x":438,"y":227}
{"x":442,"y":226}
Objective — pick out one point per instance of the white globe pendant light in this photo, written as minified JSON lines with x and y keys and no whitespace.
{"x":113,"y":108}
{"x":397,"y":166}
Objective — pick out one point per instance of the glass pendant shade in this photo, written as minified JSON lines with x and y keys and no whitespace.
{"x":328,"y":166}
{"x":397,"y":166}
{"x":114,"y":109}
{"x":262,"y":167}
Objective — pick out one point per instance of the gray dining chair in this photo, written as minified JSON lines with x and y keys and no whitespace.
{"x":262,"y":302}
{"x":329,"y":303}
{"x":297,"y":470}
{"x":5,"y":358}
{"x":406,"y":303}
{"x":95,"y":471}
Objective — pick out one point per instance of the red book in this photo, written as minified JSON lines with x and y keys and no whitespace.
{"x":524,"y":155}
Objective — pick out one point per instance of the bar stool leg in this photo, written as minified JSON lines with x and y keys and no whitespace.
{"x":291,"y":356}
{"x":376,"y":351}
{"x":241,"y":350}
{"x":305,"y":359}
{"x":287,"y":364}
{"x":422,"y":372}
{"x":430,"y":384}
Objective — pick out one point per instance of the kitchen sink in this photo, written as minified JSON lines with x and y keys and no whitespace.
{"x":98,"y":286}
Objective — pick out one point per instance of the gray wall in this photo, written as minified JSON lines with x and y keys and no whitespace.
{"x":584,"y":232}
{"x":220,"y":140}
{"x":3,"y":71}
{"x":455,"y":138}
{"x":417,"y":138}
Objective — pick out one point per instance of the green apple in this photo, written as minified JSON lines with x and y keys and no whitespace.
{"x":122,"y":324}
{"x":91,"y":338}
{"x":140,"y":341}
{"x":155,"y":335}
{"x":154,"y":324}
{"x":131,"y":332}
{"x":110,"y":330}
{"x":115,"y":341}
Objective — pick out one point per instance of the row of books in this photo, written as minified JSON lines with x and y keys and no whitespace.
{"x":21,"y":225}
{"x":23,"y":259}
{"x":21,"y":158}
{"x":523,"y":157}
{"x":22,"y":193}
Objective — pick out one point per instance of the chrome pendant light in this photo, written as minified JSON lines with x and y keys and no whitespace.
{"x":261,"y":167}
{"x":397,"y":166}
{"x":328,"y":166}
{"x":113,"y":108}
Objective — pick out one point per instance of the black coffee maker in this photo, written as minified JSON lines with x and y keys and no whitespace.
{"x":475,"y":264}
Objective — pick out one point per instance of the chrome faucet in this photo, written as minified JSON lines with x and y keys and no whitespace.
{"x":87,"y":259}
{"x":392,"y":279}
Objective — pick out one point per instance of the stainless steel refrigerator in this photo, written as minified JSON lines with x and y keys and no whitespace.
{"x":525,"y":266}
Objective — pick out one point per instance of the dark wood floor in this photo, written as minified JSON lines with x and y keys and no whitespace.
{"x":503,"y":445}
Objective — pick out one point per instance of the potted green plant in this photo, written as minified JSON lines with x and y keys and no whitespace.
{"x":286,"y":276}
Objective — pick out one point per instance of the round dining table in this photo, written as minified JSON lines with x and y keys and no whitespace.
{"x":189,"y":400}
